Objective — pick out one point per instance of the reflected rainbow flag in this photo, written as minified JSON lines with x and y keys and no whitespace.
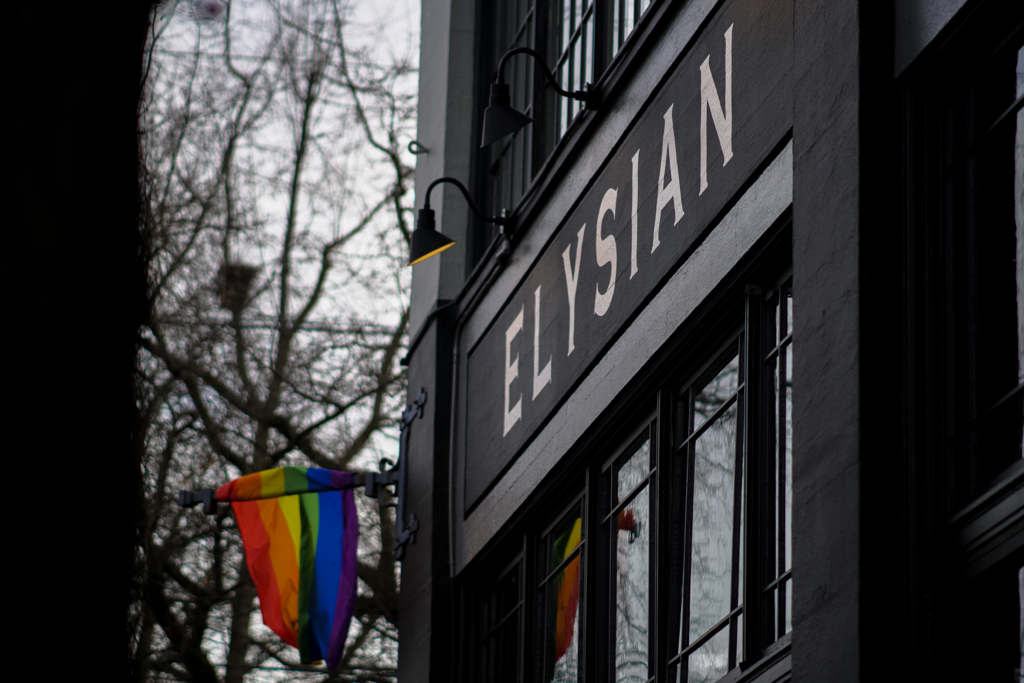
{"x":300,"y":534}
{"x":567,"y":586}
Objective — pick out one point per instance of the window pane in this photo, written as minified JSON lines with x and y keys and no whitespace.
{"x":588,"y":71}
{"x":504,"y":665}
{"x":1020,"y":578}
{"x":563,"y":103}
{"x":633,"y":471}
{"x":577,"y":70}
{"x":563,"y":597}
{"x":714,"y":395}
{"x":788,"y":587}
{"x":789,"y":311}
{"x":628,"y":531}
{"x":1018,"y":212}
{"x":616,"y":24}
{"x":507,"y":595}
{"x":631,"y":587}
{"x":710,"y":661}
{"x":788,"y":491}
{"x":566,"y":26}
{"x":714,"y":475}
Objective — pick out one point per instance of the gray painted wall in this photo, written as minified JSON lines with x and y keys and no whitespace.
{"x":827,"y":475}
{"x":446,"y":98}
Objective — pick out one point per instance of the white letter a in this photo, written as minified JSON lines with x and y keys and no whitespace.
{"x":667,"y":193}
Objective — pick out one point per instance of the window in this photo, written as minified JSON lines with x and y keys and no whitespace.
{"x":712,"y":603}
{"x":559,"y":581}
{"x":966,"y":134}
{"x":964,"y":129}
{"x":578,"y":38}
{"x":646,"y":531}
{"x":509,"y":162}
{"x":626,"y":555}
{"x":571,"y":53}
{"x":501,"y":616}
{"x":735,"y":449}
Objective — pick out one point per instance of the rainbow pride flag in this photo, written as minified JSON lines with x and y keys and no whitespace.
{"x":300,"y":534}
{"x":567,"y":586}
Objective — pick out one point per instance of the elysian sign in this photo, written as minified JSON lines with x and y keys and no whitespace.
{"x":713,"y":122}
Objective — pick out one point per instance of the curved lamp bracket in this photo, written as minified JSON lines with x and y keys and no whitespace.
{"x":587,"y":96}
{"x":497,"y":220}
{"x":501,"y":120}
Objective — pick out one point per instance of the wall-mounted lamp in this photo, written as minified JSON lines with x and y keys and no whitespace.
{"x":501,"y":120}
{"x":426,"y":241}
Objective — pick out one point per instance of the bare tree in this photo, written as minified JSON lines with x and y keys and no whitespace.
{"x":278,"y":222}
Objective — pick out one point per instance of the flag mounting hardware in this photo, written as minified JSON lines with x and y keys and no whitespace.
{"x":375,"y":483}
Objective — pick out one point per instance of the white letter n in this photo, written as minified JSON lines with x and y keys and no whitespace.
{"x":709,"y":100}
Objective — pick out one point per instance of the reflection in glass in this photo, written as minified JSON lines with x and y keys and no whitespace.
{"x":630,"y":18}
{"x":631,"y":588}
{"x":572,"y":54}
{"x":625,"y":15}
{"x":789,"y":606}
{"x":633,"y":471}
{"x":588,"y":73}
{"x":714,"y":475}
{"x":563,"y":104}
{"x":563,"y":605}
{"x":566,"y":26}
{"x":714,"y":395}
{"x":710,"y":661}
{"x":577,"y":74}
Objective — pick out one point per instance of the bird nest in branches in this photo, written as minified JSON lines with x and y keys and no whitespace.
{"x":233,"y":282}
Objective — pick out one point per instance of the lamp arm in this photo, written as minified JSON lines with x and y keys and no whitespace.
{"x":579,"y":95}
{"x":497,"y":220}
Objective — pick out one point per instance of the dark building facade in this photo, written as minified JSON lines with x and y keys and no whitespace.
{"x":736,"y":393}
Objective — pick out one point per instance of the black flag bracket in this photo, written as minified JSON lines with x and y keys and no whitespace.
{"x":187,"y":499}
{"x":397,"y":476}
{"x":375,"y":482}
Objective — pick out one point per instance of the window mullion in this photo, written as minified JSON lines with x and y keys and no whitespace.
{"x":661,"y":576}
{"x":755,"y":477}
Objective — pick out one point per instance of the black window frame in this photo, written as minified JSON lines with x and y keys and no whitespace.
{"x":965,"y":479}
{"x":605,"y":558}
{"x":759,"y":615}
{"x":649,"y":411}
{"x":949,"y":121}
{"x":505,"y":184}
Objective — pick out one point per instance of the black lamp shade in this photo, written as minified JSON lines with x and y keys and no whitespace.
{"x":500,"y":119}
{"x":426,"y":241}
